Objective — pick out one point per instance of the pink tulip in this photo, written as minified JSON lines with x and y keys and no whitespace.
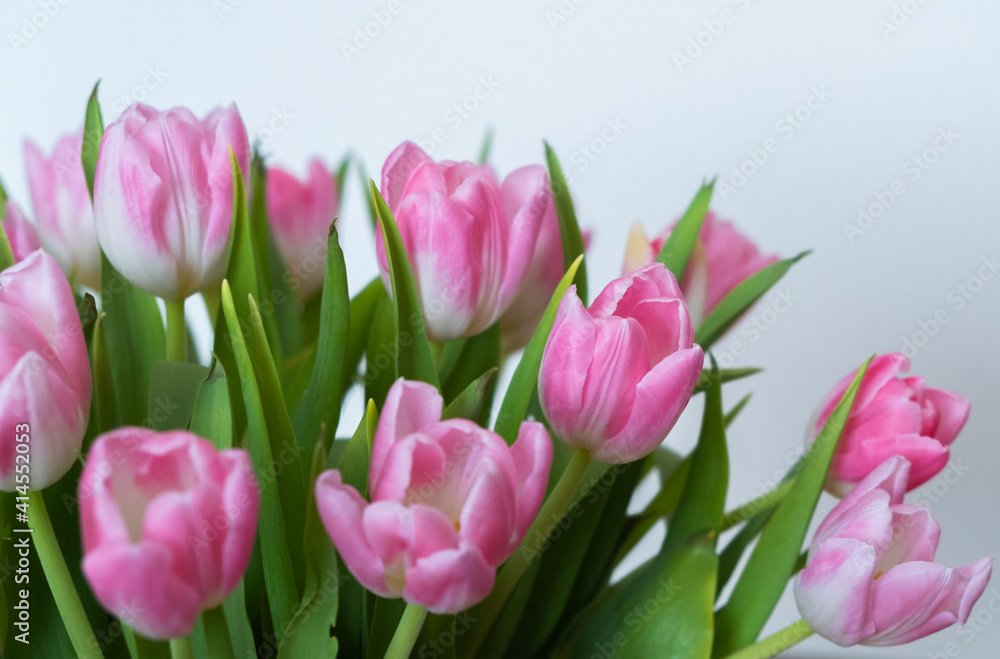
{"x":168,"y":525}
{"x":300,"y":213}
{"x":892,"y":416}
{"x":63,"y":211}
{"x":468,"y":252}
{"x":45,"y":387}
{"x":20,"y":232}
{"x":163,"y":196}
{"x":871,"y":577}
{"x":615,"y":377}
{"x":723,"y":258}
{"x":449,"y":503}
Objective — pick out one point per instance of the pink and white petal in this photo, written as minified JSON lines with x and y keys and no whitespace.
{"x":180,"y":521}
{"x":832,"y":592}
{"x":527,"y":199}
{"x":449,"y":581}
{"x":651,"y":281}
{"x":884,"y":486}
{"x":432,"y":532}
{"x":138,"y":584}
{"x":566,"y":360}
{"x":927,"y":457}
{"x":953,"y":412}
{"x":915,"y":536}
{"x":409,"y":406}
{"x":411,"y":472}
{"x":667,"y":325}
{"x":660,"y":397}
{"x":341,"y":509}
{"x":881,"y":370}
{"x":532,"y":455}
{"x":241,"y":499}
{"x":397,"y":169}
{"x":489,"y":513}
{"x":914,"y":600}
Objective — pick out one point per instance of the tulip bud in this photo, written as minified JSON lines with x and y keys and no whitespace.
{"x":615,"y":377}
{"x":300,"y":213}
{"x":45,"y":387}
{"x":468,"y":252}
{"x":891,"y":416}
{"x":163,"y":196}
{"x":63,"y":212}
{"x":871,"y":577}
{"x":168,"y":526}
{"x":450,"y":502}
{"x":20,"y":232}
{"x":722,"y":258}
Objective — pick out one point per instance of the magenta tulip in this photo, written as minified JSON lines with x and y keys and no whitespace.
{"x":163,"y":196}
{"x":892,"y":415}
{"x":615,"y":377}
{"x":45,"y":388}
{"x":871,"y":577}
{"x":723,"y":258}
{"x":63,"y":212}
{"x":468,"y":252}
{"x":450,"y":502}
{"x":21,"y":233}
{"x":168,"y":526}
{"x":300,"y":213}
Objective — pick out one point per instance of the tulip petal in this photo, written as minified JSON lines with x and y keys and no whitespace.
{"x":397,"y":169}
{"x":953,"y":412}
{"x":532,"y":454}
{"x":914,"y":600}
{"x":927,"y":457}
{"x":449,"y":581}
{"x":915,"y":536}
{"x":409,"y":406}
{"x":566,"y":360}
{"x":241,"y":501}
{"x":832,"y":592}
{"x":621,"y":295}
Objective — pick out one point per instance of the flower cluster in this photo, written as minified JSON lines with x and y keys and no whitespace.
{"x":213,"y":491}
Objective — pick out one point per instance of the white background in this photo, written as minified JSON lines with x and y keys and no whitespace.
{"x":890,"y":94}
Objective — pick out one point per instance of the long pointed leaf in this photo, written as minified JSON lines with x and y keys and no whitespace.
{"x":678,"y":247}
{"x":569,"y":228}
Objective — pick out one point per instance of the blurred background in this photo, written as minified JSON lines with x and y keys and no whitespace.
{"x":865,"y":130}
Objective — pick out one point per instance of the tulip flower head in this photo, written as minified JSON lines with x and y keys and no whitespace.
{"x":450,"y":502}
{"x":722,"y":258}
{"x":45,"y":387}
{"x":469,"y":253}
{"x":168,"y":526}
{"x":163,"y":196}
{"x":63,"y":212}
{"x":892,"y":415}
{"x":21,"y":233}
{"x":300,"y":213}
{"x":615,"y":377}
{"x":871,"y":577}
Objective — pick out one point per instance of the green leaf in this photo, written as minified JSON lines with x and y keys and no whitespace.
{"x":702,"y":504}
{"x":241,"y":273}
{"x":308,"y":635}
{"x":135,"y":339}
{"x":724,"y":375}
{"x":212,"y":417}
{"x":766,"y":574}
{"x":662,"y":610}
{"x":362,"y":314}
{"x":275,"y":540}
{"x":470,"y":403}
{"x":172,"y":394}
{"x":6,"y":252}
{"x":280,"y":300}
{"x":525,"y":378}
{"x":414,"y":360}
{"x":741,"y":298}
{"x":484,"y":150}
{"x":322,"y":399}
{"x":380,"y":356}
{"x":569,"y":228}
{"x":384,"y":622}
{"x":104,"y":393}
{"x":340,"y":177}
{"x":93,"y":132}
{"x":678,"y":247}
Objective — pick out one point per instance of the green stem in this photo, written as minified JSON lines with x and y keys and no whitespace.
{"x":407,"y":632}
{"x":549,"y":517}
{"x":763,"y":502}
{"x":776,"y":643}
{"x":60,"y":582}
{"x":180,"y":648}
{"x":177,"y":338}
{"x":217,"y":633}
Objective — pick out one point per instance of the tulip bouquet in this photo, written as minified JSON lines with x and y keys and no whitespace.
{"x":154,"y":505}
